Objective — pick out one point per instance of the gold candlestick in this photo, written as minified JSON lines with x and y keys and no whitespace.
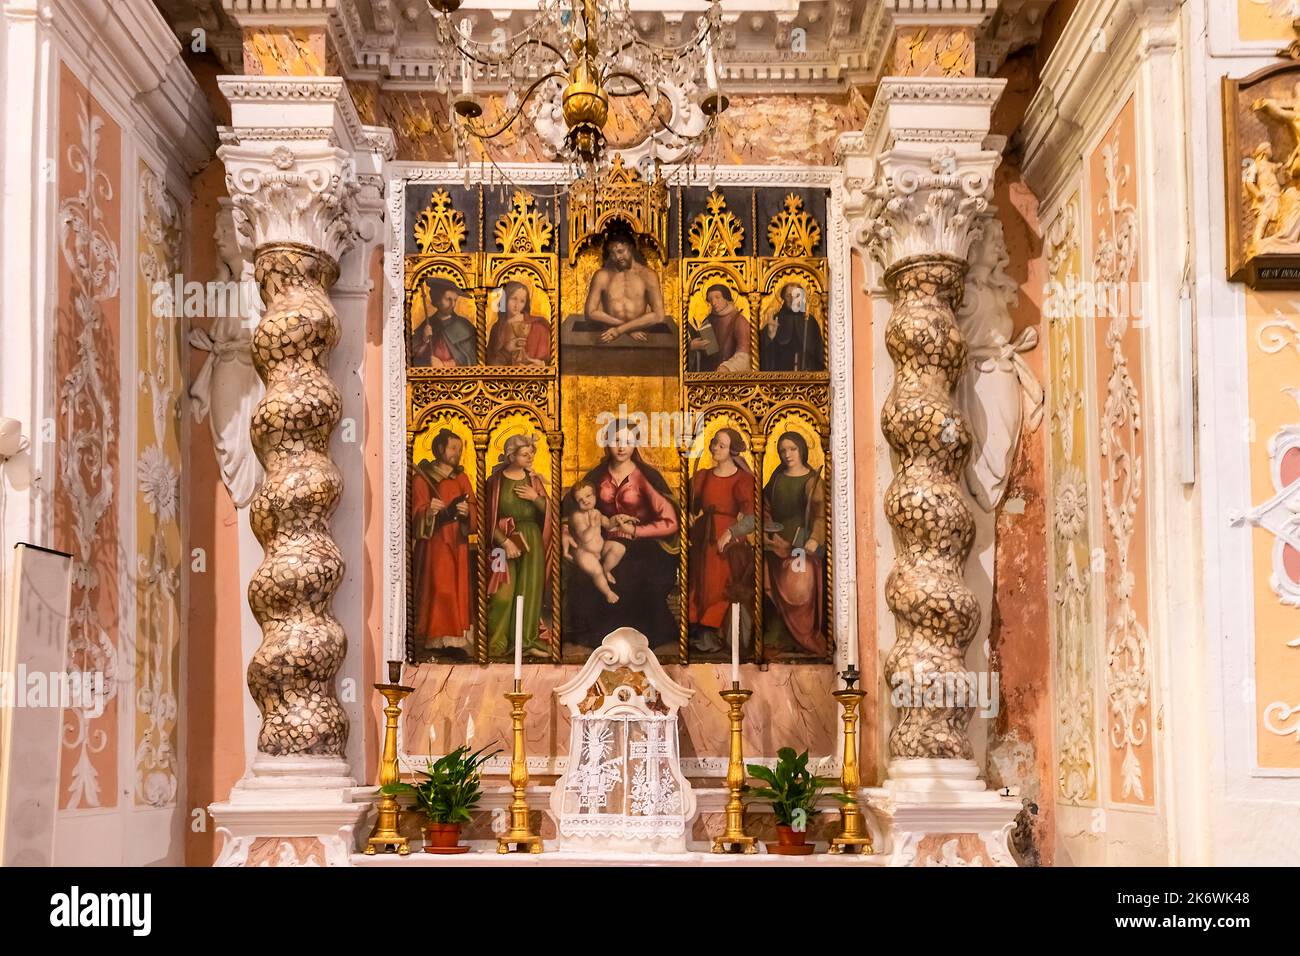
{"x":734,"y":839}
{"x":385,"y":833}
{"x":520,"y":837}
{"x":853,"y":837}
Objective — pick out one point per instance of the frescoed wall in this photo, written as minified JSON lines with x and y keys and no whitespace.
{"x":90,"y":460}
{"x":1272,"y":434}
{"x":105,"y":372}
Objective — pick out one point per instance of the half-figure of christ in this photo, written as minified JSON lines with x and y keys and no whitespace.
{"x":624,"y":296}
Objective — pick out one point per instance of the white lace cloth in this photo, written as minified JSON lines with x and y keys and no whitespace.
{"x":623,"y":782}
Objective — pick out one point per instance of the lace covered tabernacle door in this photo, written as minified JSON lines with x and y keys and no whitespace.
{"x":623,"y":790}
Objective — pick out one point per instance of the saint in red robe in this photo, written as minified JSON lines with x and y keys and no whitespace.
{"x":440,"y":568}
{"x":718,"y":580}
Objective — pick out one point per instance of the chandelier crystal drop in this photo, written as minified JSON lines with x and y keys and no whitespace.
{"x":564,"y":72}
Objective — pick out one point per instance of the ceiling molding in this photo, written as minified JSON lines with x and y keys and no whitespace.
{"x":1096,"y":57}
{"x":394,"y":43}
{"x":131,"y":43}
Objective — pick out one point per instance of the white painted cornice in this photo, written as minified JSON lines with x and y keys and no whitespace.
{"x":127,"y":44}
{"x":300,"y":107}
{"x":924,"y":109}
{"x":848,"y":41}
{"x":1098,"y":53}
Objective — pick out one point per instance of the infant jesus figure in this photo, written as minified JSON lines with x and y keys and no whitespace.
{"x":585,"y":544}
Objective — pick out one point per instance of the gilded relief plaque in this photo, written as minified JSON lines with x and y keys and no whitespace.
{"x":1262,"y":168}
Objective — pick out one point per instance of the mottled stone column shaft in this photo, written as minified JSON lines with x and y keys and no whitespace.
{"x":918,"y":183}
{"x":294,"y":191}
{"x":291,"y":676}
{"x":936,"y":613}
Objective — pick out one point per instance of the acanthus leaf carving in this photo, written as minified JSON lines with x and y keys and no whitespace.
{"x":1068,"y":532}
{"x":158,"y":479}
{"x":305,"y":195}
{"x":86,"y":452}
{"x":936,"y":209}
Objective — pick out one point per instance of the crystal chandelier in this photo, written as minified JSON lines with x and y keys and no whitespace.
{"x":569,"y":63}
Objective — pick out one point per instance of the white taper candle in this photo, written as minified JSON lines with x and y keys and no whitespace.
{"x":735,"y":643}
{"x":467,"y":65}
{"x":519,"y":637}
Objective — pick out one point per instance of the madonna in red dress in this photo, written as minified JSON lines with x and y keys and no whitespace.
{"x":640,"y":505}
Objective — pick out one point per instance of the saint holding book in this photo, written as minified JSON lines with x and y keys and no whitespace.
{"x":519,"y":517}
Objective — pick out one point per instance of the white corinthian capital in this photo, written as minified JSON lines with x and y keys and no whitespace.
{"x":296,"y":156}
{"x":919,"y":177}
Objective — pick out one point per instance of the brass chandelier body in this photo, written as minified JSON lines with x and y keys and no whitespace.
{"x":592,"y":53}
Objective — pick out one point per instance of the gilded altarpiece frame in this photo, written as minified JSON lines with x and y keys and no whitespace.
{"x":815,"y":403}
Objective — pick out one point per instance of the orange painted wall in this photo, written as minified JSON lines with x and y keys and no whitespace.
{"x":88,"y":341}
{"x":866,"y":432}
{"x":1110,"y":365}
{"x":1020,"y":633}
{"x":215,"y":687}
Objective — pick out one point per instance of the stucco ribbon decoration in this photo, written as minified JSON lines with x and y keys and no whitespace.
{"x":226,"y":390}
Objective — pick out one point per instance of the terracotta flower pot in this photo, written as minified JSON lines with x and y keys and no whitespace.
{"x":443,"y":838}
{"x":790,"y":842}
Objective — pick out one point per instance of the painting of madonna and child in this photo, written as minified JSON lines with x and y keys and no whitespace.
{"x":620,"y":534}
{"x":621,"y":553}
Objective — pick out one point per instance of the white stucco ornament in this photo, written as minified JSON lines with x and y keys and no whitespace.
{"x":999,"y":392}
{"x":227,"y":389}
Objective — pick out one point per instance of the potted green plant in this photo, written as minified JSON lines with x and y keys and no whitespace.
{"x":793,"y":793}
{"x":446,"y":796}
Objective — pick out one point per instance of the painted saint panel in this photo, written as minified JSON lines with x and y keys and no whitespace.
{"x":795,"y":505}
{"x":443,"y":534}
{"x":722,"y":529}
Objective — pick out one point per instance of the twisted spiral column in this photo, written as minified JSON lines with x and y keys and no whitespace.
{"x":291,"y":676}
{"x":936,"y":613}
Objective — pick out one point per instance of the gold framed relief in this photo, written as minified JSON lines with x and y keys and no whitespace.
{"x":1261,"y":114}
